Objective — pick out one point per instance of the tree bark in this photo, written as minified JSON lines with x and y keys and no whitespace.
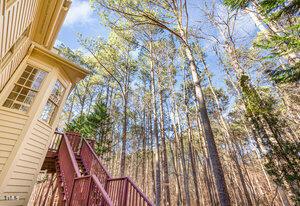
{"x":209,"y":137}
{"x":166,"y":184}
{"x":191,"y":155}
{"x":155,"y":130}
{"x":124,"y":136}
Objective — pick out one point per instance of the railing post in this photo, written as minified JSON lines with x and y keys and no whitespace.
{"x":125,"y":192}
{"x":71,"y":195}
{"x":89,"y":192}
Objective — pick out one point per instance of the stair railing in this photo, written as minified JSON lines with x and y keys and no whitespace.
{"x":102,"y":188}
{"x":69,"y":169}
{"x":124,"y":192}
{"x":75,"y":141}
{"x":88,"y":190}
{"x":92,"y":163}
{"x":81,"y":190}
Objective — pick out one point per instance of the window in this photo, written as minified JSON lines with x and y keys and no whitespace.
{"x":53,"y":102}
{"x":25,"y":89}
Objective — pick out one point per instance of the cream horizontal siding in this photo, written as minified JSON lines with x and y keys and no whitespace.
{"x":6,"y":144}
{"x":12,"y":64}
{"x":30,"y":161}
{"x":26,"y":174}
{"x":5,"y":147}
{"x":11,"y":126}
{"x":24,"y":171}
{"x":12,"y":203}
{"x":14,"y":21}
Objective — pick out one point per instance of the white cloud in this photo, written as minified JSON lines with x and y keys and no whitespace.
{"x":80,"y":13}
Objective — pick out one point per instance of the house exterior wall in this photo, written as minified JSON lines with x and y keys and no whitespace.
{"x":11,"y":126}
{"x":9,"y":67}
{"x":25,"y":137}
{"x":16,"y":17}
{"x":28,"y":29}
{"x":36,"y":21}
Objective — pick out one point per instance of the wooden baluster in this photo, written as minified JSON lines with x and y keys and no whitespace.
{"x":120,"y":191}
{"x":111,"y":187}
{"x":119,"y":194}
{"x":135,"y":196}
{"x":141,"y":201}
{"x":130,"y":196}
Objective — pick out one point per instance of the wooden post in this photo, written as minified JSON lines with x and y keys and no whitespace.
{"x":71,"y":192}
{"x":89,"y":192}
{"x":125,"y":192}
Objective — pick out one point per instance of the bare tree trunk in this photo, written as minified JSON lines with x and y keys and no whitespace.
{"x":179,"y":194}
{"x":174,"y":154}
{"x":207,"y":179}
{"x":152,"y":155}
{"x":124,"y":136}
{"x":212,"y":148}
{"x":155,"y":130}
{"x":144,"y":175}
{"x":185,"y":172}
{"x":166,"y":184}
{"x":192,"y":158}
{"x":229,"y":136}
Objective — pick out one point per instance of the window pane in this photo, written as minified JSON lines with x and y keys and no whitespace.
{"x":28,"y":83}
{"x":21,"y":98}
{"x":51,"y":107}
{"x":24,"y":91}
{"x":48,"y":111}
{"x":24,"y":108}
{"x":25,"y":74}
{"x":57,"y":92}
{"x":39,"y":77}
{"x":17,"y":88}
{"x":8,"y":103}
{"x":21,"y":81}
{"x":16,"y":106}
{"x":13,"y":96}
{"x":28,"y":69}
{"x":31,"y":77}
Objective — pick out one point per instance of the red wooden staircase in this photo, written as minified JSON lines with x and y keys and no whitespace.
{"x":82,"y":178}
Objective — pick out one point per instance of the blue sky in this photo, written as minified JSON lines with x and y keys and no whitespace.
{"x":81,"y":19}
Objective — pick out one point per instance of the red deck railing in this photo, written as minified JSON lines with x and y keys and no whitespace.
{"x":88,"y":190}
{"x":92,"y":163}
{"x":97,"y":188}
{"x":75,"y":141}
{"x":124,"y":192}
{"x":69,"y":169}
